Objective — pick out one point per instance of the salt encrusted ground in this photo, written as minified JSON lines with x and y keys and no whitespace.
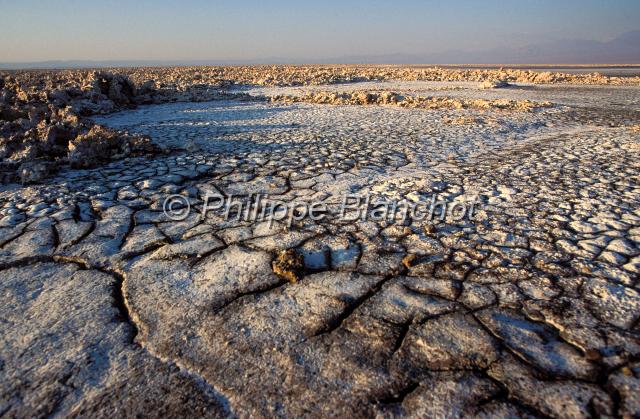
{"x":530,"y":309}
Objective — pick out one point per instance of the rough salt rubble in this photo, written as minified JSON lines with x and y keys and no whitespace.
{"x":531,"y":309}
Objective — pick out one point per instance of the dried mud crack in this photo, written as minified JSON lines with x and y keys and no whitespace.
{"x":530,"y":308}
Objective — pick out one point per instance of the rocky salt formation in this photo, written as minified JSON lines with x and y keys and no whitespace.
{"x":182,"y":78}
{"x":45,"y":119}
{"x":494,"y":84}
{"x":101,"y":144}
{"x":409,"y":101}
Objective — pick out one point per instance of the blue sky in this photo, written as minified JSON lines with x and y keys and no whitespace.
{"x":33,"y":30}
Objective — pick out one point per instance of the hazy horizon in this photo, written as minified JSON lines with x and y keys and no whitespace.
{"x":290,"y":32}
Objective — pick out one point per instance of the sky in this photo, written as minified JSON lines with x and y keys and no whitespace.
{"x":41,"y":30}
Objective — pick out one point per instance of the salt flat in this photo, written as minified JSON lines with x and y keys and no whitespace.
{"x":530,"y":308}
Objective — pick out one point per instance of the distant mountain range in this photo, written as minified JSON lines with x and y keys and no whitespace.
{"x":624,"y":49}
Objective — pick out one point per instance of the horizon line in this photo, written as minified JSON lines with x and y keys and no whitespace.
{"x":153,"y":63}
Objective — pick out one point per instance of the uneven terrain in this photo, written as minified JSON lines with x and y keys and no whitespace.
{"x":529,"y":308}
